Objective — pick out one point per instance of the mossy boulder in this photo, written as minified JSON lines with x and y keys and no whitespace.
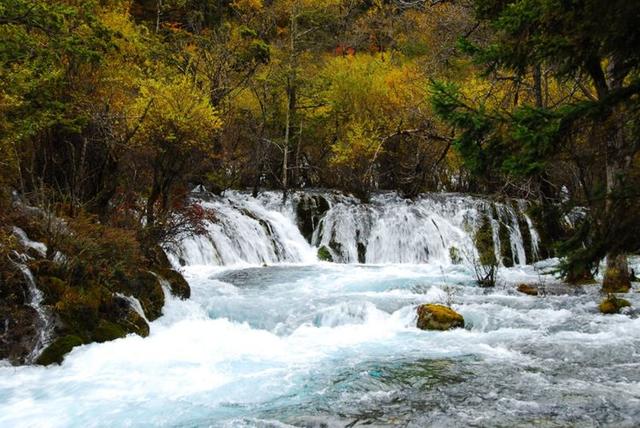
{"x":178,"y":285}
{"x":134,"y":323}
{"x":613,"y":305}
{"x":107,"y":331}
{"x":324,"y":254}
{"x":146,"y":286}
{"x":438,"y":317}
{"x":55,"y":352}
{"x":122,"y":314}
{"x":528,"y":289}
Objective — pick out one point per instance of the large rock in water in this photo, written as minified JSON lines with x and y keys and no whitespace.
{"x":613,"y":305}
{"x":438,"y":317}
{"x":529,"y":289}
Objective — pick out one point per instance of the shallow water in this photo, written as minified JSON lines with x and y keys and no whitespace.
{"x":336,"y":345}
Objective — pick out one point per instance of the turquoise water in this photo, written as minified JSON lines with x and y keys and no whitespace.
{"x":336,"y":345}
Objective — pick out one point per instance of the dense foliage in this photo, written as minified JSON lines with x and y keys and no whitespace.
{"x":568,"y":79}
{"x":113,"y":109}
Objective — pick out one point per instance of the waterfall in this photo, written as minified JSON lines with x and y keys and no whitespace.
{"x":245,"y":231}
{"x":45,"y":324}
{"x":134,"y":304}
{"x":433,"y":228}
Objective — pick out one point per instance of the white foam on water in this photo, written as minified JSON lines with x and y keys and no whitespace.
{"x":389,"y":229}
{"x":193,"y":359}
{"x":255,"y":345}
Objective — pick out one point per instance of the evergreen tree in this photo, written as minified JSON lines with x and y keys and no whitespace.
{"x":594,"y":44}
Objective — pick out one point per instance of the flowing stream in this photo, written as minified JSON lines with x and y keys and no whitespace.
{"x":313,"y":344}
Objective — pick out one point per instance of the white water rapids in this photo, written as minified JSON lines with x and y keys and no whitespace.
{"x":311,"y":344}
{"x":389,"y":229}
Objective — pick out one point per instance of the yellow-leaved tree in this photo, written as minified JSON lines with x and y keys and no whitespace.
{"x":176,"y":124}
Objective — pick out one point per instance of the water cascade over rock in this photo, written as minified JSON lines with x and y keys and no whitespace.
{"x":433,"y":228}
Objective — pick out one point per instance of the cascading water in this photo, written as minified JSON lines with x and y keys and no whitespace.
{"x":308,"y":344}
{"x":389,"y":229}
{"x":44,"y":323}
{"x":244,"y":232}
{"x":45,"y":326}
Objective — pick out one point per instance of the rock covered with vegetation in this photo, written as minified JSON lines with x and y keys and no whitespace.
{"x":613,"y":305}
{"x":88,"y":277}
{"x":324,"y":255}
{"x":110,"y":111}
{"x":438,"y":317}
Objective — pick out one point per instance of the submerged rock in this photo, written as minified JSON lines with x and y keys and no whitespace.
{"x":613,"y":305}
{"x":438,"y":317}
{"x":528,"y":289}
{"x":324,"y":255}
{"x":178,"y":285}
{"x":107,"y":331}
{"x":54,"y":353}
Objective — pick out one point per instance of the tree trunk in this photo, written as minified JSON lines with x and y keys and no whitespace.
{"x":537,"y":85}
{"x":291,"y":105}
{"x":616,"y":276}
{"x":158,"y":14}
{"x":285,"y":154}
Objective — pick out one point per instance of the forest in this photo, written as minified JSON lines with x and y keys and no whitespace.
{"x":113,"y":111}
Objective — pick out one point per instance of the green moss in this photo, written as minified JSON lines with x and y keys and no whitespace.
{"x":484,"y":243}
{"x":616,"y":281}
{"x":324,"y":254}
{"x":613,"y":305}
{"x":438,"y":317}
{"x":52,"y":287}
{"x":55,"y":352}
{"x":107,"y":331}
{"x":454,"y":255}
